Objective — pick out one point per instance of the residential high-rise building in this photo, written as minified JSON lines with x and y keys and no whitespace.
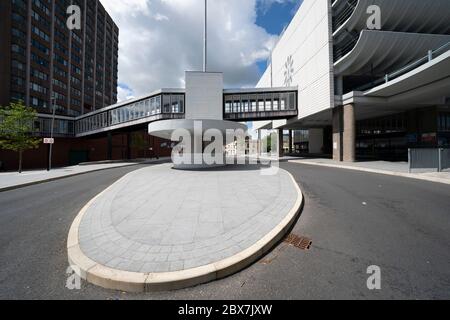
{"x":41,"y":57}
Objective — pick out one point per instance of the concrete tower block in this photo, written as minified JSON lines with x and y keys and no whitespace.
{"x":204,"y":96}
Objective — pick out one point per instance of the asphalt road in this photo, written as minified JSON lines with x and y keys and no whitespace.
{"x":354,"y":219}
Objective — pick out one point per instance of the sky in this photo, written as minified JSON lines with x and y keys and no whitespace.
{"x":161,"y":39}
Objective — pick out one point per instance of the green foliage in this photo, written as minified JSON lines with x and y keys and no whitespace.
{"x":16,"y":123}
{"x":267,"y":141}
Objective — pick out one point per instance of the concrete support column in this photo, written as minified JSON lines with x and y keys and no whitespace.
{"x":259,"y":147}
{"x":337,"y":133}
{"x":344,"y":133}
{"x":349,"y":137}
{"x":290,"y":142}
{"x":280,"y":143}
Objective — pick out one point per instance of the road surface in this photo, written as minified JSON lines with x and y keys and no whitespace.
{"x":354,"y":219}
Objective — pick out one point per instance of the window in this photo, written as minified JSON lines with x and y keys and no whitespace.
{"x":18,"y":81}
{"x":18,"y":33}
{"x":42,"y":6}
{"x":39,"y":46}
{"x":260,"y":105}
{"x":18,"y":65}
{"x":38,"y":88}
{"x":40,"y":61}
{"x":18,"y":49}
{"x":38,"y":74}
{"x":40,"y":33}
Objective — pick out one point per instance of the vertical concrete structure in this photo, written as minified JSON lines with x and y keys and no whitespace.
{"x":290,"y":142}
{"x":337,"y":133}
{"x":204,"y":95}
{"x":349,"y":134}
{"x":344,"y":133}
{"x":280,"y":143}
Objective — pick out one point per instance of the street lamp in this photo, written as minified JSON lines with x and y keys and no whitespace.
{"x":205,"y":39}
{"x":53,"y":102}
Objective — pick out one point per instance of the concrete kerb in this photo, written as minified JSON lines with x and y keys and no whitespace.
{"x":29,"y":184}
{"x":368,"y":170}
{"x":109,"y":278}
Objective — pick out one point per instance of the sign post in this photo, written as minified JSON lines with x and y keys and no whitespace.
{"x":51,"y":140}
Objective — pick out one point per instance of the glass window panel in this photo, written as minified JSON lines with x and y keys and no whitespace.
{"x":181,"y":104}
{"x":260,"y":105}
{"x":276,"y":104}
{"x":246,"y":106}
{"x":166,"y":103}
{"x":158,"y":104}
{"x":268,"y":105}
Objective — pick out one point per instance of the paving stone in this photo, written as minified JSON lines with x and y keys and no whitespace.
{"x":162,"y":220}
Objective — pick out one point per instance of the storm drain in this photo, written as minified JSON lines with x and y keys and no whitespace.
{"x":301,"y":243}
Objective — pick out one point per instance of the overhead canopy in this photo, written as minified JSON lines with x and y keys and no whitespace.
{"x":381,"y":52}
{"x":402,"y":15}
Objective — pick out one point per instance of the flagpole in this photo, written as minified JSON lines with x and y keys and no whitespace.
{"x":205,"y":38}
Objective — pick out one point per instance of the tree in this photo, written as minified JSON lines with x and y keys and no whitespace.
{"x":267,"y":142}
{"x":16,"y":126}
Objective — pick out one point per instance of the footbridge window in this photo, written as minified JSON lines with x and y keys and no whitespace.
{"x":261,"y":102}
{"x":170,"y":104}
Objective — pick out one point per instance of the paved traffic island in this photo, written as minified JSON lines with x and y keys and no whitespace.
{"x":160,"y":229}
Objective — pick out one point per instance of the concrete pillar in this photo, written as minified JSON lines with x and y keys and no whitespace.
{"x":337,"y":133}
{"x":340,"y":86}
{"x":349,"y":137}
{"x":290,"y":142}
{"x":344,"y":133}
{"x":259,"y":151}
{"x":280,"y":143}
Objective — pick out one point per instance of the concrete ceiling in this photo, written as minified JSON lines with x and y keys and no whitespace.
{"x":382,"y":51}
{"x":422,"y":16}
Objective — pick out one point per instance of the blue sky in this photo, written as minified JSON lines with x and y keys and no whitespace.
{"x":160,"y":39}
{"x":274,"y":17}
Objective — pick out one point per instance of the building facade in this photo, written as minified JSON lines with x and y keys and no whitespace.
{"x":41,"y":58}
{"x":373,"y":76}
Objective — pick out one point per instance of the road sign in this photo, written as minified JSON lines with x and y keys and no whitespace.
{"x":49,"y":141}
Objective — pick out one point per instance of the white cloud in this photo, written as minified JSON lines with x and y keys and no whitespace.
{"x":124,"y":93}
{"x":161,"y":39}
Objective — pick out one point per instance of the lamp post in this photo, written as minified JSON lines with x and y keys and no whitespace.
{"x":205,"y":39}
{"x":51,"y":134}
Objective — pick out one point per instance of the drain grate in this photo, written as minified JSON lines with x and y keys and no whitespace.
{"x":302,"y":243}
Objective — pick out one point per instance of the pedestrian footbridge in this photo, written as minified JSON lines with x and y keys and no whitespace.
{"x":169,"y":104}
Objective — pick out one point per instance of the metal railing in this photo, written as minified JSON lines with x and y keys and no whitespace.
{"x":342,"y":50}
{"x":429,"y":158}
{"x":432,"y":54}
{"x":340,"y":18}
